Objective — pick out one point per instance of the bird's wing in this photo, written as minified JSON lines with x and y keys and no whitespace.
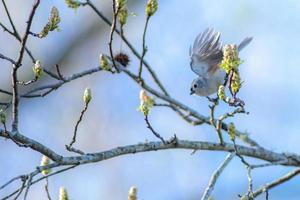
{"x":206,"y":53}
{"x":244,"y":43}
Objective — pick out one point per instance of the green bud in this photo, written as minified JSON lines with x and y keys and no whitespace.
{"x":146,"y":102}
{"x":151,"y":7}
{"x":132,"y":194}
{"x":221,"y":92}
{"x":235,"y":82}
{"x":2,"y":116}
{"x":231,"y":59}
{"x":120,"y":4}
{"x":37,"y":69}
{"x":45,"y":161}
{"x":231,"y":131}
{"x":63,"y":195}
{"x":87,"y":96}
{"x":122,"y":16}
{"x":52,"y":24}
{"x":72,"y":3}
{"x":104,"y":63}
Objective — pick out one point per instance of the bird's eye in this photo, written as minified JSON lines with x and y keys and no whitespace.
{"x":195,"y":85}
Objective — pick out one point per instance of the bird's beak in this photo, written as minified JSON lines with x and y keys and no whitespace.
{"x":192,"y":92}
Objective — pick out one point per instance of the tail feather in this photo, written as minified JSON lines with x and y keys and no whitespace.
{"x":244,"y":43}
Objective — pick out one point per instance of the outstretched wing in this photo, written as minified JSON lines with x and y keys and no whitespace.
{"x":244,"y":43}
{"x":206,"y":53}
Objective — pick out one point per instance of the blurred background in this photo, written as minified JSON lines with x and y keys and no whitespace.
{"x":270,"y":90}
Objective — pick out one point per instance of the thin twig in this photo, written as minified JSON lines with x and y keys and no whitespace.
{"x":130,"y":46}
{"x":12,"y":180}
{"x":47,"y":189}
{"x":7,"y":58}
{"x":28,"y":186}
{"x":40,"y":179}
{"x":143,"y":47}
{"x":9,"y":17}
{"x":15,"y":98}
{"x":152,"y":130}
{"x":276,"y":182}
{"x":112,"y":30}
{"x":21,"y":189}
{"x":28,"y":82}
{"x":215,"y":177}
{"x":59,"y":73}
{"x":212,"y":120}
{"x":76,"y":126}
{"x":248,"y":167}
{"x":24,"y":39}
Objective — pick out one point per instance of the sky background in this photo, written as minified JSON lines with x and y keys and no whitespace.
{"x":270,"y":90}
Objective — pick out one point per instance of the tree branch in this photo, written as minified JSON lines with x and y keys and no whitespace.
{"x":215,"y":177}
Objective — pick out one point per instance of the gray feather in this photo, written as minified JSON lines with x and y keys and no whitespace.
{"x":244,"y":43}
{"x":206,"y":51}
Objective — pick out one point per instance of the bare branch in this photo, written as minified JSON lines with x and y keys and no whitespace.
{"x":215,"y":177}
{"x":152,"y":130}
{"x":143,"y":47}
{"x":40,"y":179}
{"x":7,"y":58}
{"x":130,"y":46}
{"x":47,"y":189}
{"x":112,"y":30}
{"x":76,"y":127}
{"x":276,"y":182}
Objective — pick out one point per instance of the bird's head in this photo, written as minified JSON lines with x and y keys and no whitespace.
{"x":199,"y":87}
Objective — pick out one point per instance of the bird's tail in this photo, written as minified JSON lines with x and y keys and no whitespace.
{"x":244,"y":43}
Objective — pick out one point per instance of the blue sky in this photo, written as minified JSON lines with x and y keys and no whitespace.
{"x":270,"y":90}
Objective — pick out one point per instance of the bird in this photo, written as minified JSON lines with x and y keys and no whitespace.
{"x":205,"y":58}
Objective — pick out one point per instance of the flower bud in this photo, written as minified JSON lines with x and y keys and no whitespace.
{"x":2,"y":116}
{"x":104,"y":63}
{"x":143,"y":96}
{"x":151,"y":7}
{"x":63,"y":195}
{"x":52,"y":24}
{"x":231,"y":59}
{"x":122,"y":16}
{"x":132,"y":195}
{"x":37,"y":69}
{"x":72,"y":3}
{"x":120,"y":4}
{"x":235,"y":82}
{"x":231,"y":131}
{"x":45,"y":161}
{"x":221,"y":92}
{"x":87,"y":96}
{"x":146,"y":102}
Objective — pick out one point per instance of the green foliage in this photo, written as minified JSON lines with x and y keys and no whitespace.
{"x":104,"y":63}
{"x":221,"y":92}
{"x":231,"y":131}
{"x":2,"y":116}
{"x":45,"y":161}
{"x":73,"y":3}
{"x":235,"y":82}
{"x":37,"y":69}
{"x":122,"y":16}
{"x":52,"y":24}
{"x":63,"y":195}
{"x":151,"y":7}
{"x":231,"y":60}
{"x":120,"y":4}
{"x":146,"y":103}
{"x":87,"y":95}
{"x":132,"y":194}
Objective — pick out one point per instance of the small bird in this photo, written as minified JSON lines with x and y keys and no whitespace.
{"x":206,"y":55}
